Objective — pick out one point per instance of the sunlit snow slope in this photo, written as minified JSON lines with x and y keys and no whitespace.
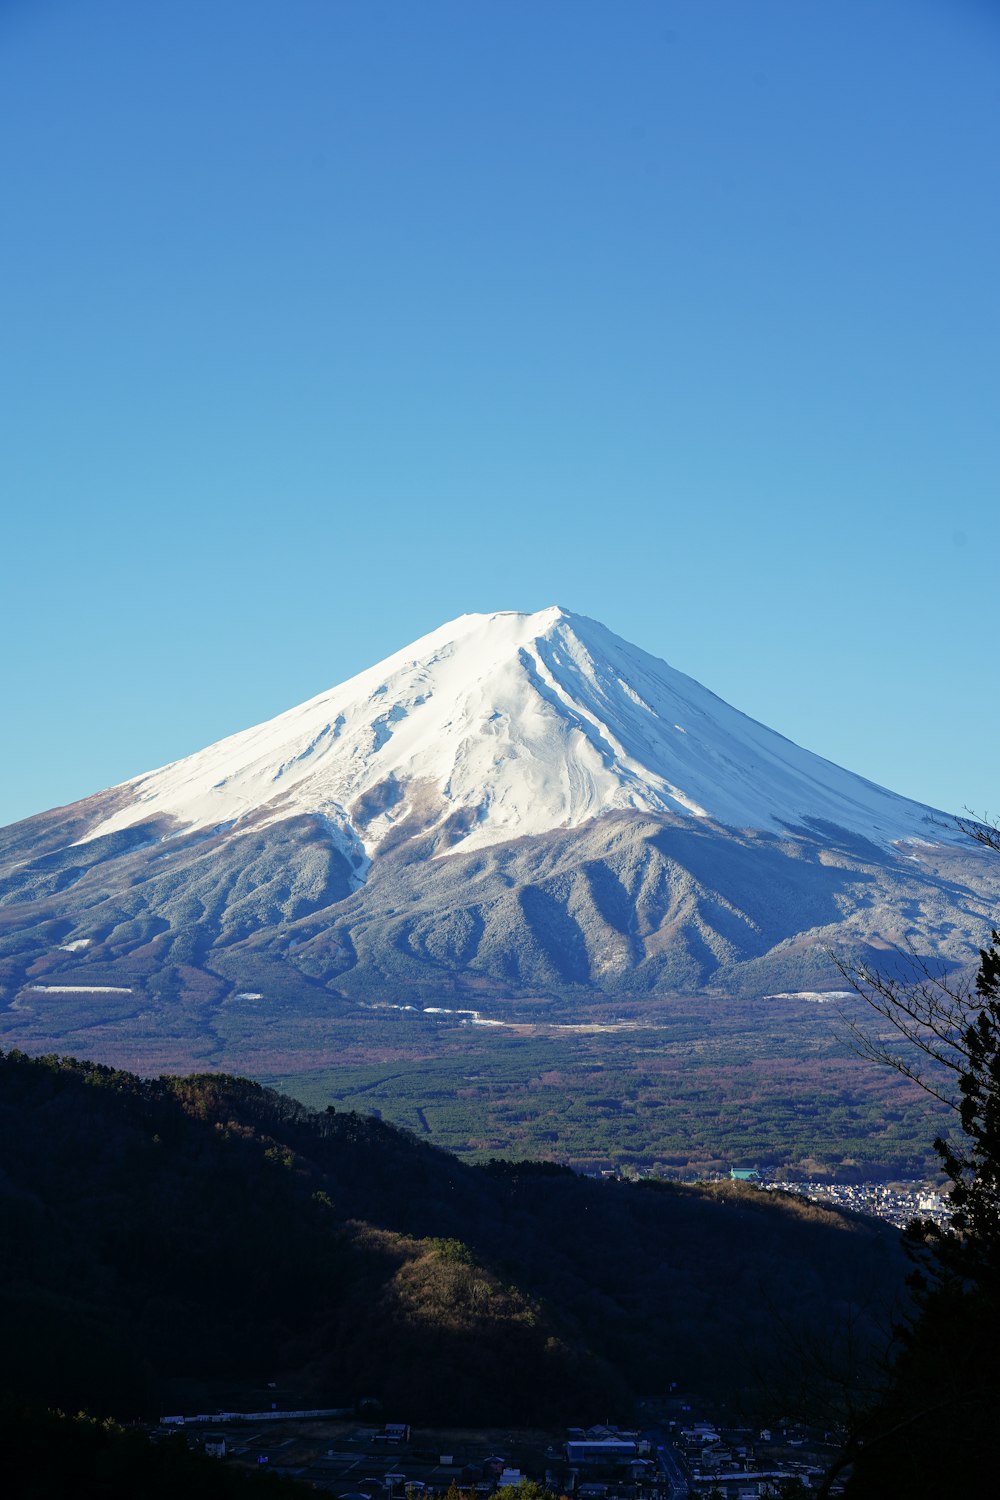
{"x":523,"y":723}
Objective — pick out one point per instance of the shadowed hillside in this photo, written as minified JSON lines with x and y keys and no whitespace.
{"x":170,"y":1240}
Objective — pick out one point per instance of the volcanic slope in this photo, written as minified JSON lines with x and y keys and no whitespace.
{"x":515,"y":806}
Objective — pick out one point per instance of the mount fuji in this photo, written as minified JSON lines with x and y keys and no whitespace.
{"x":516,"y":808}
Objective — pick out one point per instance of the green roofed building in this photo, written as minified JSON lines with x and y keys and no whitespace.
{"x":744,"y":1174}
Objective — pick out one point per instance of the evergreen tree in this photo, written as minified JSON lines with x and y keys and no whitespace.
{"x":971,"y":1249}
{"x":936,"y":1430}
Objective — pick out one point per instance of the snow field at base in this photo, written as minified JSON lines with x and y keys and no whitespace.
{"x":524,"y":723}
{"x":79,"y":989}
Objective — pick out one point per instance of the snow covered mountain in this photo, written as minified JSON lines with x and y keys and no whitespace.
{"x":516,"y":809}
{"x":507,"y":726}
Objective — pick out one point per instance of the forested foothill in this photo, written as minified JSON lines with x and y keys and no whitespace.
{"x":49,"y":1455}
{"x":176,"y":1244}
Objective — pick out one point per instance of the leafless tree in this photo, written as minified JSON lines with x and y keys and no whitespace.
{"x":943,"y":1033}
{"x":926,"y":1008}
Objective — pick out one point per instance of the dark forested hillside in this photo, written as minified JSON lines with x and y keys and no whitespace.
{"x":51,"y":1456}
{"x":171,"y":1240}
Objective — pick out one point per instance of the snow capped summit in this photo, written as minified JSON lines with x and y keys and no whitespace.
{"x":504,"y":725}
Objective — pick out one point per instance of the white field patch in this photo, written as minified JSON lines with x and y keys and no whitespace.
{"x":76,"y":946}
{"x":814,"y":997}
{"x":476,"y":1018}
{"x":79,"y":989}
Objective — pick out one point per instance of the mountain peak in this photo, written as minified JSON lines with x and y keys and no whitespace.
{"x":497,"y":726}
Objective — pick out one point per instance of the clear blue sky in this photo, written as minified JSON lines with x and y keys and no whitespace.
{"x":324,"y":321}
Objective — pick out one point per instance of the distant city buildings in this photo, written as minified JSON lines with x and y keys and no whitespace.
{"x":897,"y":1205}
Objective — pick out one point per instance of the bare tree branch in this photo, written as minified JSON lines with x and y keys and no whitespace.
{"x":928,"y":1010}
{"x":985,"y":830}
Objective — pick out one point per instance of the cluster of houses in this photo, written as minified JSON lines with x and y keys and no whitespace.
{"x":897,"y":1204}
{"x":686,"y":1459}
{"x":621,"y":1458}
{"x":740,"y":1464}
{"x":700,"y":1459}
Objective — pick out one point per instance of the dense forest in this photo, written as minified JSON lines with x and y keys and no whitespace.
{"x":180,"y":1243}
{"x":48,"y":1455}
